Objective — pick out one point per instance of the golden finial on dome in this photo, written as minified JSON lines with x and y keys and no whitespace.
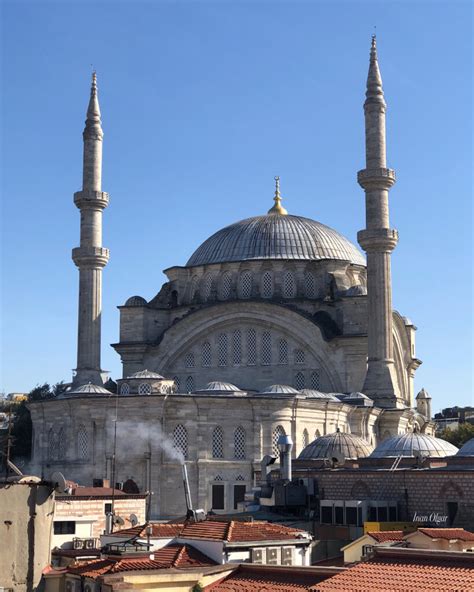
{"x":277,"y":208}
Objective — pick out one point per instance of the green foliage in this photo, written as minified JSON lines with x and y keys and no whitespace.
{"x":198,"y":587}
{"x":22,"y":430}
{"x":458,"y":436}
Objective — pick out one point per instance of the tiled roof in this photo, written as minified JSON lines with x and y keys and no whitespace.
{"x":405,"y":572}
{"x":247,"y":578}
{"x":158,"y":530}
{"x":384,"y":536}
{"x":448,"y":534}
{"x":171,"y":556}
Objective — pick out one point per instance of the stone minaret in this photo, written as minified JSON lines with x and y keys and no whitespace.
{"x":90,"y":257}
{"x":378,"y":241}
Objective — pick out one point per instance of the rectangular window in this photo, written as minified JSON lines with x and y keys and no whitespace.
{"x":218,"y":497}
{"x":392,"y":514}
{"x":351,"y":516}
{"x":372,"y":514}
{"x":382,"y":514}
{"x":339,"y":518}
{"x":107,"y":508}
{"x":65,"y":527}
{"x":326,"y":514}
{"x":239,"y":494}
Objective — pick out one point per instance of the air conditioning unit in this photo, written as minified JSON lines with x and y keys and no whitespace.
{"x":89,"y":544}
{"x":287,"y":555}
{"x":78,"y":544}
{"x":273,"y":556}
{"x":258,"y":555}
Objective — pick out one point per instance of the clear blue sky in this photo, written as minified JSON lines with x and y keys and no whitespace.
{"x":202,"y":104}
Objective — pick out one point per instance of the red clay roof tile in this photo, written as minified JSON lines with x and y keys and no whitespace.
{"x":383,"y":536}
{"x":448,"y":533}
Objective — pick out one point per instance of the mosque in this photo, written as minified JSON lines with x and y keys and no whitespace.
{"x":277,"y":324}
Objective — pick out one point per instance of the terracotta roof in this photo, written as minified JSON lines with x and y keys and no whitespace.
{"x":410,"y":572}
{"x":448,"y":533}
{"x":248,"y":578}
{"x":158,"y":530}
{"x":384,"y":536}
{"x":171,"y":556}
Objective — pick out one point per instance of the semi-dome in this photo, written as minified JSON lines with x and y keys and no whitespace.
{"x":276,"y":237}
{"x":136,"y":301}
{"x":467,"y":449}
{"x":219,"y":387}
{"x":414,"y":444}
{"x":336,"y":445}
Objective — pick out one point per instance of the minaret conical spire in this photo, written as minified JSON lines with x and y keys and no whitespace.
{"x":93,"y":123}
{"x":374,"y":91}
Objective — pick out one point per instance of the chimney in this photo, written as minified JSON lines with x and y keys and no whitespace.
{"x":285,"y":446}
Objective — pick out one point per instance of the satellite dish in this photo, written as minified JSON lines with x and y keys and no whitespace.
{"x":59,"y":482}
{"x":133,"y":519}
{"x":119,"y":520}
{"x":337,"y":458}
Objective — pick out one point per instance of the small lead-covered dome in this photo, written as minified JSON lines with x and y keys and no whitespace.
{"x":414,"y":444}
{"x":313,"y":394}
{"x":87,"y":390}
{"x":276,"y":237}
{"x":467,"y":449}
{"x":219,"y":387}
{"x":279,"y":389}
{"x":336,"y":445}
{"x":145,"y":374}
{"x":136,"y":301}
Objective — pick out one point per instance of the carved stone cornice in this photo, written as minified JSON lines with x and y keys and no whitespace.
{"x":381,"y":178}
{"x":94,"y":200}
{"x":377,"y":240}
{"x":93,"y":257}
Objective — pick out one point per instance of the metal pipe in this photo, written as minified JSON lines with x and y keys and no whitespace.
{"x":285,"y":445}
{"x":187,"y":492}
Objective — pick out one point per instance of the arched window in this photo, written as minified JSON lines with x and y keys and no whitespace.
{"x":222,"y":349}
{"x":267,"y":284}
{"x":245,"y":285}
{"x":266,"y":349}
{"x":206,"y":354}
{"x":309,"y":285}
{"x":225,"y":286}
{"x":237,"y":347}
{"x":277,"y":432}
{"x":52,"y":445}
{"x":62,"y":444}
{"x":176,"y":383}
{"x":125,"y":388}
{"x":283,"y":351}
{"x":305,"y":438}
{"x":189,"y":384}
{"x":300,"y":381}
{"x":189,"y":360}
{"x":144,"y":388}
{"x":218,"y":442}
{"x":299,"y":356}
{"x":82,"y":443}
{"x":289,"y":285}
{"x":206,"y":287}
{"x":317,"y":434}
{"x":239,"y":443}
{"x":180,"y":440}
{"x":251,"y":347}
{"x":315,"y":380}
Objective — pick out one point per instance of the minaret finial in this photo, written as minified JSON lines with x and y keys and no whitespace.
{"x":93,"y":122}
{"x":374,"y":92}
{"x":277,"y":208}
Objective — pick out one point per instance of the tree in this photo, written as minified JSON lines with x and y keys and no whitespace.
{"x":458,"y":436}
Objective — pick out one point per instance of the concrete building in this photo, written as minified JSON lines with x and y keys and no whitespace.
{"x":276,"y":324}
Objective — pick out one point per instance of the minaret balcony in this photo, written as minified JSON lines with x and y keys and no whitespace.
{"x":93,"y":257}
{"x":88,"y":199}
{"x":378,"y":240}
{"x":370,"y":179}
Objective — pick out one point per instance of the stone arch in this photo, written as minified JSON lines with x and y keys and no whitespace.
{"x":360,"y":490}
{"x":451,"y":490}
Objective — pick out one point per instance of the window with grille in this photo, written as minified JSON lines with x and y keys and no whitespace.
{"x":309,"y":285}
{"x":315,"y":380}
{"x":300,"y":381}
{"x":305,"y":438}
{"x":125,"y":389}
{"x":218,"y":442}
{"x":218,"y":478}
{"x":299,"y":356}
{"x":206,"y":287}
{"x":189,"y":360}
{"x":61,"y":443}
{"x":189,"y":384}
{"x":82,"y":443}
{"x":283,"y":351}
{"x":317,"y":434}
{"x":236,"y":347}
{"x":206,"y":354}
{"x":251,"y":347}
{"x":52,"y":445}
{"x":176,"y":383}
{"x":277,"y":432}
{"x":289,"y":285}
{"x":266,"y":349}
{"x":222,"y":349}
{"x":267,"y":285}
{"x":239,"y":478}
{"x":180,"y":440}
{"x":144,"y":388}
{"x":239,"y":443}
{"x":225,"y":286}
{"x":245,"y":288}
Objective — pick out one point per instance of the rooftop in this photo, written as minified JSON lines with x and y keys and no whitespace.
{"x":448,"y":533}
{"x":385,"y":536}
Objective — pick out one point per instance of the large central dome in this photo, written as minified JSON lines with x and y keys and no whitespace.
{"x":276,"y":237}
